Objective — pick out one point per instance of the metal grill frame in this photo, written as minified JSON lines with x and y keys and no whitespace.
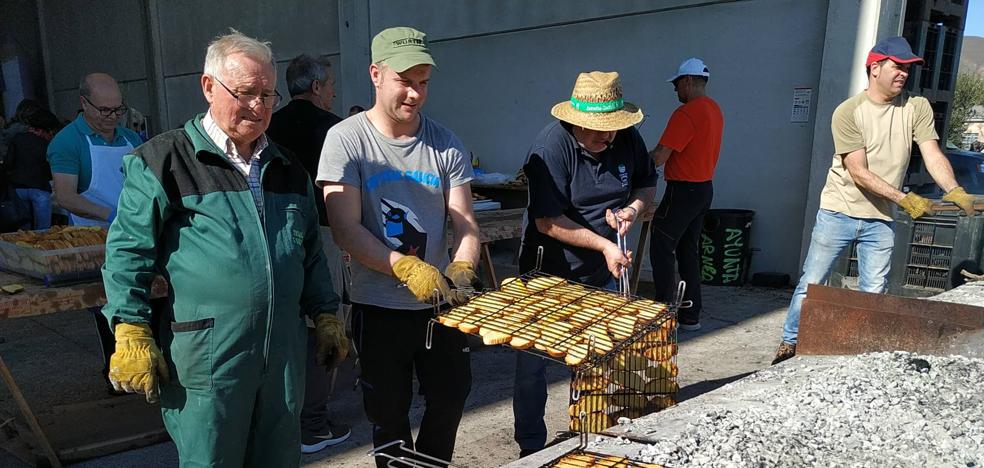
{"x":593,"y":359}
{"x":624,"y":462}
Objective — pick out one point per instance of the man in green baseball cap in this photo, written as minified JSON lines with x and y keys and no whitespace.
{"x":391,"y":177}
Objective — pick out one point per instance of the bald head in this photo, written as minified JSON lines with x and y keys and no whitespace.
{"x":101,"y":102}
{"x":98,"y":84}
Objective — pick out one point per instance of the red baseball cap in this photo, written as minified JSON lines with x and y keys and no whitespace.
{"x":895,"y":48}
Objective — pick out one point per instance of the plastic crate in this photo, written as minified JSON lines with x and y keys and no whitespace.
{"x":928,"y":254}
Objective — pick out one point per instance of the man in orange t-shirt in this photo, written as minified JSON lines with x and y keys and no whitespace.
{"x":689,"y":147}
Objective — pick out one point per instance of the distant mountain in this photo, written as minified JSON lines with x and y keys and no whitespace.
{"x":972,"y":55}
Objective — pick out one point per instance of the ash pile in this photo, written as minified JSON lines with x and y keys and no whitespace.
{"x":881,"y":409}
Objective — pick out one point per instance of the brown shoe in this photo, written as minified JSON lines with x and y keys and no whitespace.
{"x":785,"y":351}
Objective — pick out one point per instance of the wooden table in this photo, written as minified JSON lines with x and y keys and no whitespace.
{"x":36,"y":299}
{"x":497,"y":225}
{"x":509,"y":196}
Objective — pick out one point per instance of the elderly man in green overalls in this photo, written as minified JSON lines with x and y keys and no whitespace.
{"x":229,"y":220}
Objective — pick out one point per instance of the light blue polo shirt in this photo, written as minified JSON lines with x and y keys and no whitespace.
{"x":68,"y":152}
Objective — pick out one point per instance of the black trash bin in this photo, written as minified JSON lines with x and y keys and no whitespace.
{"x":725,"y":247}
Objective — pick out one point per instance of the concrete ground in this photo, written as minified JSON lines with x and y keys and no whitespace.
{"x":55,"y":360}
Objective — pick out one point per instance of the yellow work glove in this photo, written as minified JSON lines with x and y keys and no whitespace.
{"x":466,"y":282}
{"x":421,"y":278}
{"x":958,"y":196}
{"x":463,"y":275}
{"x":137,"y":363}
{"x":332,"y":346}
{"x":916,"y":206}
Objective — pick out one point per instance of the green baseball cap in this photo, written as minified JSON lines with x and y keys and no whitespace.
{"x":401,"y":48}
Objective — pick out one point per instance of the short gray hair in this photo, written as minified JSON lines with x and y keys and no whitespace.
{"x":304,"y":70}
{"x":236,"y":43}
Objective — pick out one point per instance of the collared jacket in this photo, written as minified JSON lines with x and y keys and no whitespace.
{"x":187,"y":213}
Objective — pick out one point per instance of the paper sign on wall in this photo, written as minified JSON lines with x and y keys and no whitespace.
{"x":802,"y":98}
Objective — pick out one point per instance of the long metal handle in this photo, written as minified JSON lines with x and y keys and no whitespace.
{"x":624,"y":285}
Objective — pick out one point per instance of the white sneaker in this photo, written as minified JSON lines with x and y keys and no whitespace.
{"x":330,"y":435}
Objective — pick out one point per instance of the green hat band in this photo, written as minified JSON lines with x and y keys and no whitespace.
{"x":606,"y":106}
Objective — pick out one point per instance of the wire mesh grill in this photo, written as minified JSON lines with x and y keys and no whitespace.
{"x":621,"y":348}
{"x":582,"y":459}
{"x":639,"y":380}
{"x":578,"y":325}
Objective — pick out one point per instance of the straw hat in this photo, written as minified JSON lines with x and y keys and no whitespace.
{"x":597,"y":104}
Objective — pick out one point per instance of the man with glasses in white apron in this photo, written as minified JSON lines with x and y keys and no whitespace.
{"x":86,"y":158}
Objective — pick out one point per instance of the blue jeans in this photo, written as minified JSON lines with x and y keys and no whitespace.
{"x":40,"y":202}
{"x":833,"y":233}
{"x":530,"y":396}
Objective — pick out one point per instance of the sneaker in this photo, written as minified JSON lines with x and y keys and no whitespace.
{"x":332,"y":434}
{"x":688,"y":325}
{"x":785,"y":351}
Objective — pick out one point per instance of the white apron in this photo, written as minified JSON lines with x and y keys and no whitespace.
{"x":107,"y":179}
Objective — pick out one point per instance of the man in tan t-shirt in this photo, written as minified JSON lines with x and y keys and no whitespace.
{"x":873,"y":135}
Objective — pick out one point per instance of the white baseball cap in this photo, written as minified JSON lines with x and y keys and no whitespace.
{"x":692,"y":66}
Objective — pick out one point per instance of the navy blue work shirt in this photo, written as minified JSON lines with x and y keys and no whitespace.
{"x":565,"y":179}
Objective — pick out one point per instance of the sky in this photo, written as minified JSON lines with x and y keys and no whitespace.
{"x":975,"y":18}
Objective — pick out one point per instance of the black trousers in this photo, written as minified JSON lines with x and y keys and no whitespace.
{"x":107,"y":340}
{"x":675,"y":242}
{"x":391,"y":346}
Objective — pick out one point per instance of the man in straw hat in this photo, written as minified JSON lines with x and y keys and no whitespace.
{"x":391,"y":178}
{"x":689,"y":147}
{"x":587,"y":171}
{"x":873,"y":135}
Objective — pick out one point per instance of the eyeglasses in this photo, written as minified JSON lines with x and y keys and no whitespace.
{"x":247,"y":100}
{"x":108,"y":111}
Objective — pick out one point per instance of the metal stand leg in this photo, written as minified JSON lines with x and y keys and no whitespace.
{"x":487,"y":253}
{"x":25,"y":410}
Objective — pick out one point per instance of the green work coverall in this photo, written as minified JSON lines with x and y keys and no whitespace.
{"x":232,"y":328}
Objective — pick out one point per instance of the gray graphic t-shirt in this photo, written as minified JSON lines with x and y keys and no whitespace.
{"x":405,"y":185}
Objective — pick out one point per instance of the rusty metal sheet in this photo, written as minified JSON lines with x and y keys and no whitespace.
{"x":842,"y":321}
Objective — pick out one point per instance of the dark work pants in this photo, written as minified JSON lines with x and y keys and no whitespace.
{"x":314,"y":413}
{"x":390,"y":344}
{"x":675,"y":240}
{"x":107,"y":340}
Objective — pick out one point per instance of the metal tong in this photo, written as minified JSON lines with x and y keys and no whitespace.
{"x":624,"y":284}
